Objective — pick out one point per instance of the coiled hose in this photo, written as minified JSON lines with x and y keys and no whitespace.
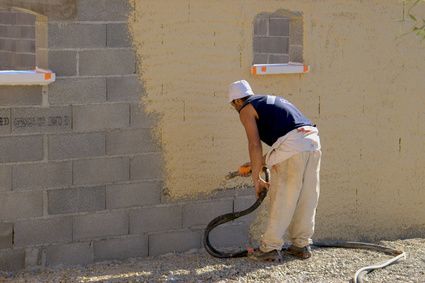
{"x":358,"y":276}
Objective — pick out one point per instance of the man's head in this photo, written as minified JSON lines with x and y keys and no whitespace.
{"x":238,"y":92}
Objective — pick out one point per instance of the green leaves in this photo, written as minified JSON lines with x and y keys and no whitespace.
{"x":418,"y":24}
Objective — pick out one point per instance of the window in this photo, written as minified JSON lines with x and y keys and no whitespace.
{"x":23,"y":48}
{"x":17,"y":40}
{"x":278,"y":38}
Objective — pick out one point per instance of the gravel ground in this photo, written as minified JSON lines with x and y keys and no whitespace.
{"x":326,"y":265}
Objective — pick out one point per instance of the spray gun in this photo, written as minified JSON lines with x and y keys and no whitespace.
{"x":243,"y":170}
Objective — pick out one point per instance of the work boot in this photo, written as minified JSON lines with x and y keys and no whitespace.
{"x":301,"y":253}
{"x":271,"y":256}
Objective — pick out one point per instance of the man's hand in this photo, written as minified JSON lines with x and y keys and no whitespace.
{"x":260,"y":186}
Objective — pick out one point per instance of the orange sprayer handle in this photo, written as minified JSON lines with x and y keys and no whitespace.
{"x":243,"y":170}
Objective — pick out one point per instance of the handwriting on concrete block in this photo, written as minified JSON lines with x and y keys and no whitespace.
{"x":4,"y":121}
{"x":49,"y":121}
{"x":41,"y":120}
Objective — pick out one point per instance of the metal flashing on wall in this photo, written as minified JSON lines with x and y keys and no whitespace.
{"x":27,"y":77}
{"x":274,"y":69}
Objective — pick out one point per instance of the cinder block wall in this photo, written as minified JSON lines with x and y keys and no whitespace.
{"x":80,"y":174}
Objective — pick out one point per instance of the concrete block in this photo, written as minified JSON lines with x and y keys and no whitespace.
{"x":247,"y":190}
{"x":146,"y":166}
{"x":43,"y":231}
{"x":277,"y":59}
{"x":131,"y":141}
{"x":16,"y":205}
{"x":261,"y":26}
{"x":179,"y":241}
{"x":6,"y":235}
{"x":24,"y":61}
{"x":76,"y":200}
{"x":230,"y":236}
{"x":260,"y":58}
{"x":15,"y":31}
{"x":278,"y":45}
{"x":101,"y":116}
{"x":5,"y":178}
{"x":21,"y":148}
{"x":6,"y":60}
{"x":140,"y":119}
{"x":20,"y":95}
{"x":41,"y":175}
{"x":279,"y":27}
{"x":69,"y":254}
{"x":296,"y":53}
{"x":233,"y":192}
{"x":200,"y":214}
{"x":76,"y":35}
{"x":219,"y":194}
{"x":8,"y":44}
{"x":242,"y":203}
{"x":107,"y":62}
{"x":136,"y":194}
{"x":101,"y":171}
{"x":63,"y":62}
{"x":10,"y":62}
{"x":23,"y":18}
{"x":124,"y":89}
{"x":33,"y":257}
{"x":118,"y":35}
{"x":100,"y":225}
{"x":41,"y":119}
{"x":27,"y":31}
{"x":7,"y":17}
{"x":12,"y":260}
{"x":154,"y":219}
{"x":76,"y":145}
{"x":102,"y":10}
{"x":121,"y":248}
{"x":25,"y":46}
{"x":77,"y":91}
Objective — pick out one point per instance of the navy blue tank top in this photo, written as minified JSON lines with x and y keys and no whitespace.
{"x":276,"y":117}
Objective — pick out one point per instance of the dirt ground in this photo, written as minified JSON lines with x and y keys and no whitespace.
{"x":326,"y":265}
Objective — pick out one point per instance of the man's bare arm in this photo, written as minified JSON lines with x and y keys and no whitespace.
{"x":248,"y":118}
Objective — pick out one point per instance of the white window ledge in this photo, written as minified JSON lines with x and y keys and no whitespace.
{"x":274,"y":69}
{"x":27,"y":77}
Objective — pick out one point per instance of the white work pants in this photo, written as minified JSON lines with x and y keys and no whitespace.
{"x":294,"y":194}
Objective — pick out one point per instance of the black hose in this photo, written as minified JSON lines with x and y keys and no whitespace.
{"x":224,"y":219}
{"x":229,"y":217}
{"x":397,"y":254}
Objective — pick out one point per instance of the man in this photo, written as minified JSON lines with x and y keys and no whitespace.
{"x":294,"y":162}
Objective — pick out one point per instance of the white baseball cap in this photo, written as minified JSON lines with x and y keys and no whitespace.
{"x":239,"y":89}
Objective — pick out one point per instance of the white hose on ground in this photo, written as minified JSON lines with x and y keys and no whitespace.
{"x":358,"y":276}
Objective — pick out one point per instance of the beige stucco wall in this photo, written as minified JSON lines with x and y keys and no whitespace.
{"x":365,"y":91}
